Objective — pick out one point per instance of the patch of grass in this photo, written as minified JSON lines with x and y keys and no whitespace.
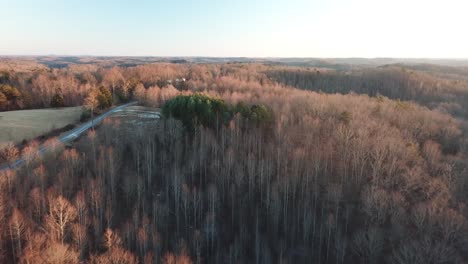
{"x":16,"y":126}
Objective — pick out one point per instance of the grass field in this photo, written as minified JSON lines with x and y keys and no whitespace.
{"x":16,"y":126}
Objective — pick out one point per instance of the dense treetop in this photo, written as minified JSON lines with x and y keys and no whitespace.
{"x":202,"y":110}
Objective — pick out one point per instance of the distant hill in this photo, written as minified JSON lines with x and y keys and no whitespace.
{"x":334,"y":63}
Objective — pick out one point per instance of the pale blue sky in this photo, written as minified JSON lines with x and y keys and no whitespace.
{"x":250,"y":28}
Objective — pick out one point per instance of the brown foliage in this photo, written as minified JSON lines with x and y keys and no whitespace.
{"x":336,"y":178}
{"x":61,"y":214}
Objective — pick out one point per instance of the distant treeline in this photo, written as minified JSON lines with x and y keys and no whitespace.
{"x":435,"y":90}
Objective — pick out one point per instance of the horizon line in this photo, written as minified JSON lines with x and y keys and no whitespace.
{"x":232,"y":57}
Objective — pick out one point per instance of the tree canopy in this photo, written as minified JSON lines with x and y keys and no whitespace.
{"x":10,"y":92}
{"x":57,"y":100}
{"x":104,"y":97}
{"x":202,"y":110}
{"x":3,"y":99}
{"x":198,"y":109}
{"x":99,"y":98}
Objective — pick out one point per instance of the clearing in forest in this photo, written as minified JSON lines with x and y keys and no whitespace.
{"x":16,"y":126}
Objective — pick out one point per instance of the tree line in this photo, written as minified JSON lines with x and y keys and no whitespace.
{"x":432,"y":86}
{"x":434,"y":89}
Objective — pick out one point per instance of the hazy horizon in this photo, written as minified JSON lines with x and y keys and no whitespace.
{"x":227,"y":57}
{"x":233,"y":58}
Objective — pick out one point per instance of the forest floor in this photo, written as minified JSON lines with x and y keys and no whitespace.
{"x":16,"y":126}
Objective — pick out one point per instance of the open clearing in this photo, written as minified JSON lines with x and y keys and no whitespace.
{"x":137,"y":114}
{"x":137,"y":117}
{"x":16,"y":126}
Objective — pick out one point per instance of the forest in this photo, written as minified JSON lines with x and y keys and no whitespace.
{"x":251,"y":163}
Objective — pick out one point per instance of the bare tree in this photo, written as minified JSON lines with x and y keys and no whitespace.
{"x":9,"y":152}
{"x":61,"y":214}
{"x":17,"y":229}
{"x":368,"y":244}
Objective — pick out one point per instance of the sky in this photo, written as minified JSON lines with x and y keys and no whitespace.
{"x":236,"y":28}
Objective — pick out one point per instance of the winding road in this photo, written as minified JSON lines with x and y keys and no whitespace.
{"x":68,"y":136}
